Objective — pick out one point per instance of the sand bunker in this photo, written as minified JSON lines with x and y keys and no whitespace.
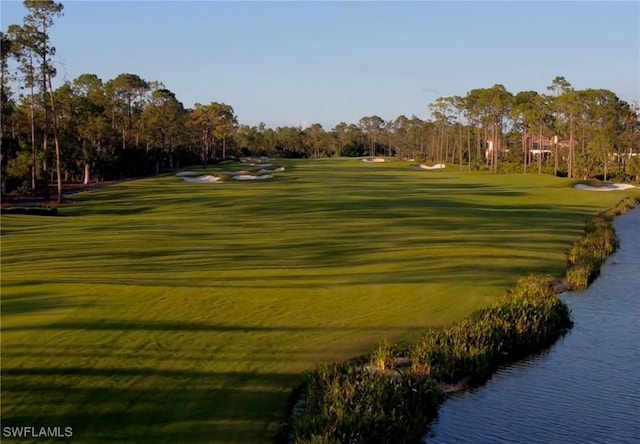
{"x":251,"y":177}
{"x":275,"y":170}
{"x":252,"y":161}
{"x":437,"y":166}
{"x":189,"y":176}
{"x":202,"y":179}
{"x":610,"y":187}
{"x":373,"y":160}
{"x":234,"y":173}
{"x":256,"y":164}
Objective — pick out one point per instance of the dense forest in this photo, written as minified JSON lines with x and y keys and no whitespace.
{"x":90,"y":129}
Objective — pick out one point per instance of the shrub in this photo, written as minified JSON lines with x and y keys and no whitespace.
{"x":589,"y":253}
{"x":349,"y":404}
{"x":383,"y":356}
{"x":578,"y":276}
{"x":528,"y":317}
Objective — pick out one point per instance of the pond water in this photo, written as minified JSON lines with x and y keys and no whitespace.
{"x":584,"y":389}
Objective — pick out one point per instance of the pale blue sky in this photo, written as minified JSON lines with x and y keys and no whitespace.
{"x":289,"y":63}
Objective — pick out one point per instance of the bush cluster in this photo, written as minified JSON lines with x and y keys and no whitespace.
{"x":590,"y":252}
{"x":346,"y":403}
{"x":523,"y":321}
{"x":350,"y":404}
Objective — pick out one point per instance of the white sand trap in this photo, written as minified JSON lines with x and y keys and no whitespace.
{"x":202,"y":179}
{"x":251,"y":177}
{"x":275,"y":170}
{"x":437,"y":166}
{"x":610,"y":187}
{"x":252,"y":161}
{"x":187,"y":173}
{"x":234,"y":173}
{"x":374,"y":160}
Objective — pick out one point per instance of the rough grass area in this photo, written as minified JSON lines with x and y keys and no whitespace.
{"x":348,"y":403}
{"x":164,"y":311}
{"x":590,"y":252}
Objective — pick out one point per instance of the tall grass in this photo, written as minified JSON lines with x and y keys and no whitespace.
{"x":383,"y":356}
{"x":522,"y":321}
{"x":590,"y":252}
{"x":348,"y":404}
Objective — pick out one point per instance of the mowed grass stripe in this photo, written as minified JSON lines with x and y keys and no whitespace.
{"x":164,"y":311}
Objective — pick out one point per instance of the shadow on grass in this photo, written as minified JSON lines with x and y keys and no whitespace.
{"x":33,"y":302}
{"x":396,"y":226}
{"x":178,"y":406}
{"x":138,"y":397}
{"x":113,"y":324}
{"x":413,"y":271}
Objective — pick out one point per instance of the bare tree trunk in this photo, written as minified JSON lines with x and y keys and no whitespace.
{"x":205,"y":153}
{"x":540,"y":151}
{"x":530,"y":144}
{"x":486,"y":158}
{"x":606,"y":163}
{"x":524,"y":148}
{"x":434,"y":135}
{"x":87,"y":170}
{"x":34,"y":167}
{"x":460,"y":142}
{"x":55,"y":139}
{"x":445,"y":136}
{"x":503,"y":144}
{"x":570,"y":159}
{"x":478,"y":146}
{"x":496,"y":145}
{"x":45,"y":151}
{"x":441,"y":144}
{"x":469,"y":145}
{"x":555,"y":156}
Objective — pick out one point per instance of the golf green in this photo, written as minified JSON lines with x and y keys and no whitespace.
{"x":160,"y":310}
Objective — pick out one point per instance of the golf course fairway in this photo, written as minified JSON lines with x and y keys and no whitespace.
{"x":163,"y":311}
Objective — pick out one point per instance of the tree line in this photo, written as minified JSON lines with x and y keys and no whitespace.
{"x":92,"y":130}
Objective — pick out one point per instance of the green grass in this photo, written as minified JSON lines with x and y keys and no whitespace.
{"x":165,"y":311}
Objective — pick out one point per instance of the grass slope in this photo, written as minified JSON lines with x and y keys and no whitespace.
{"x":165,"y":311}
